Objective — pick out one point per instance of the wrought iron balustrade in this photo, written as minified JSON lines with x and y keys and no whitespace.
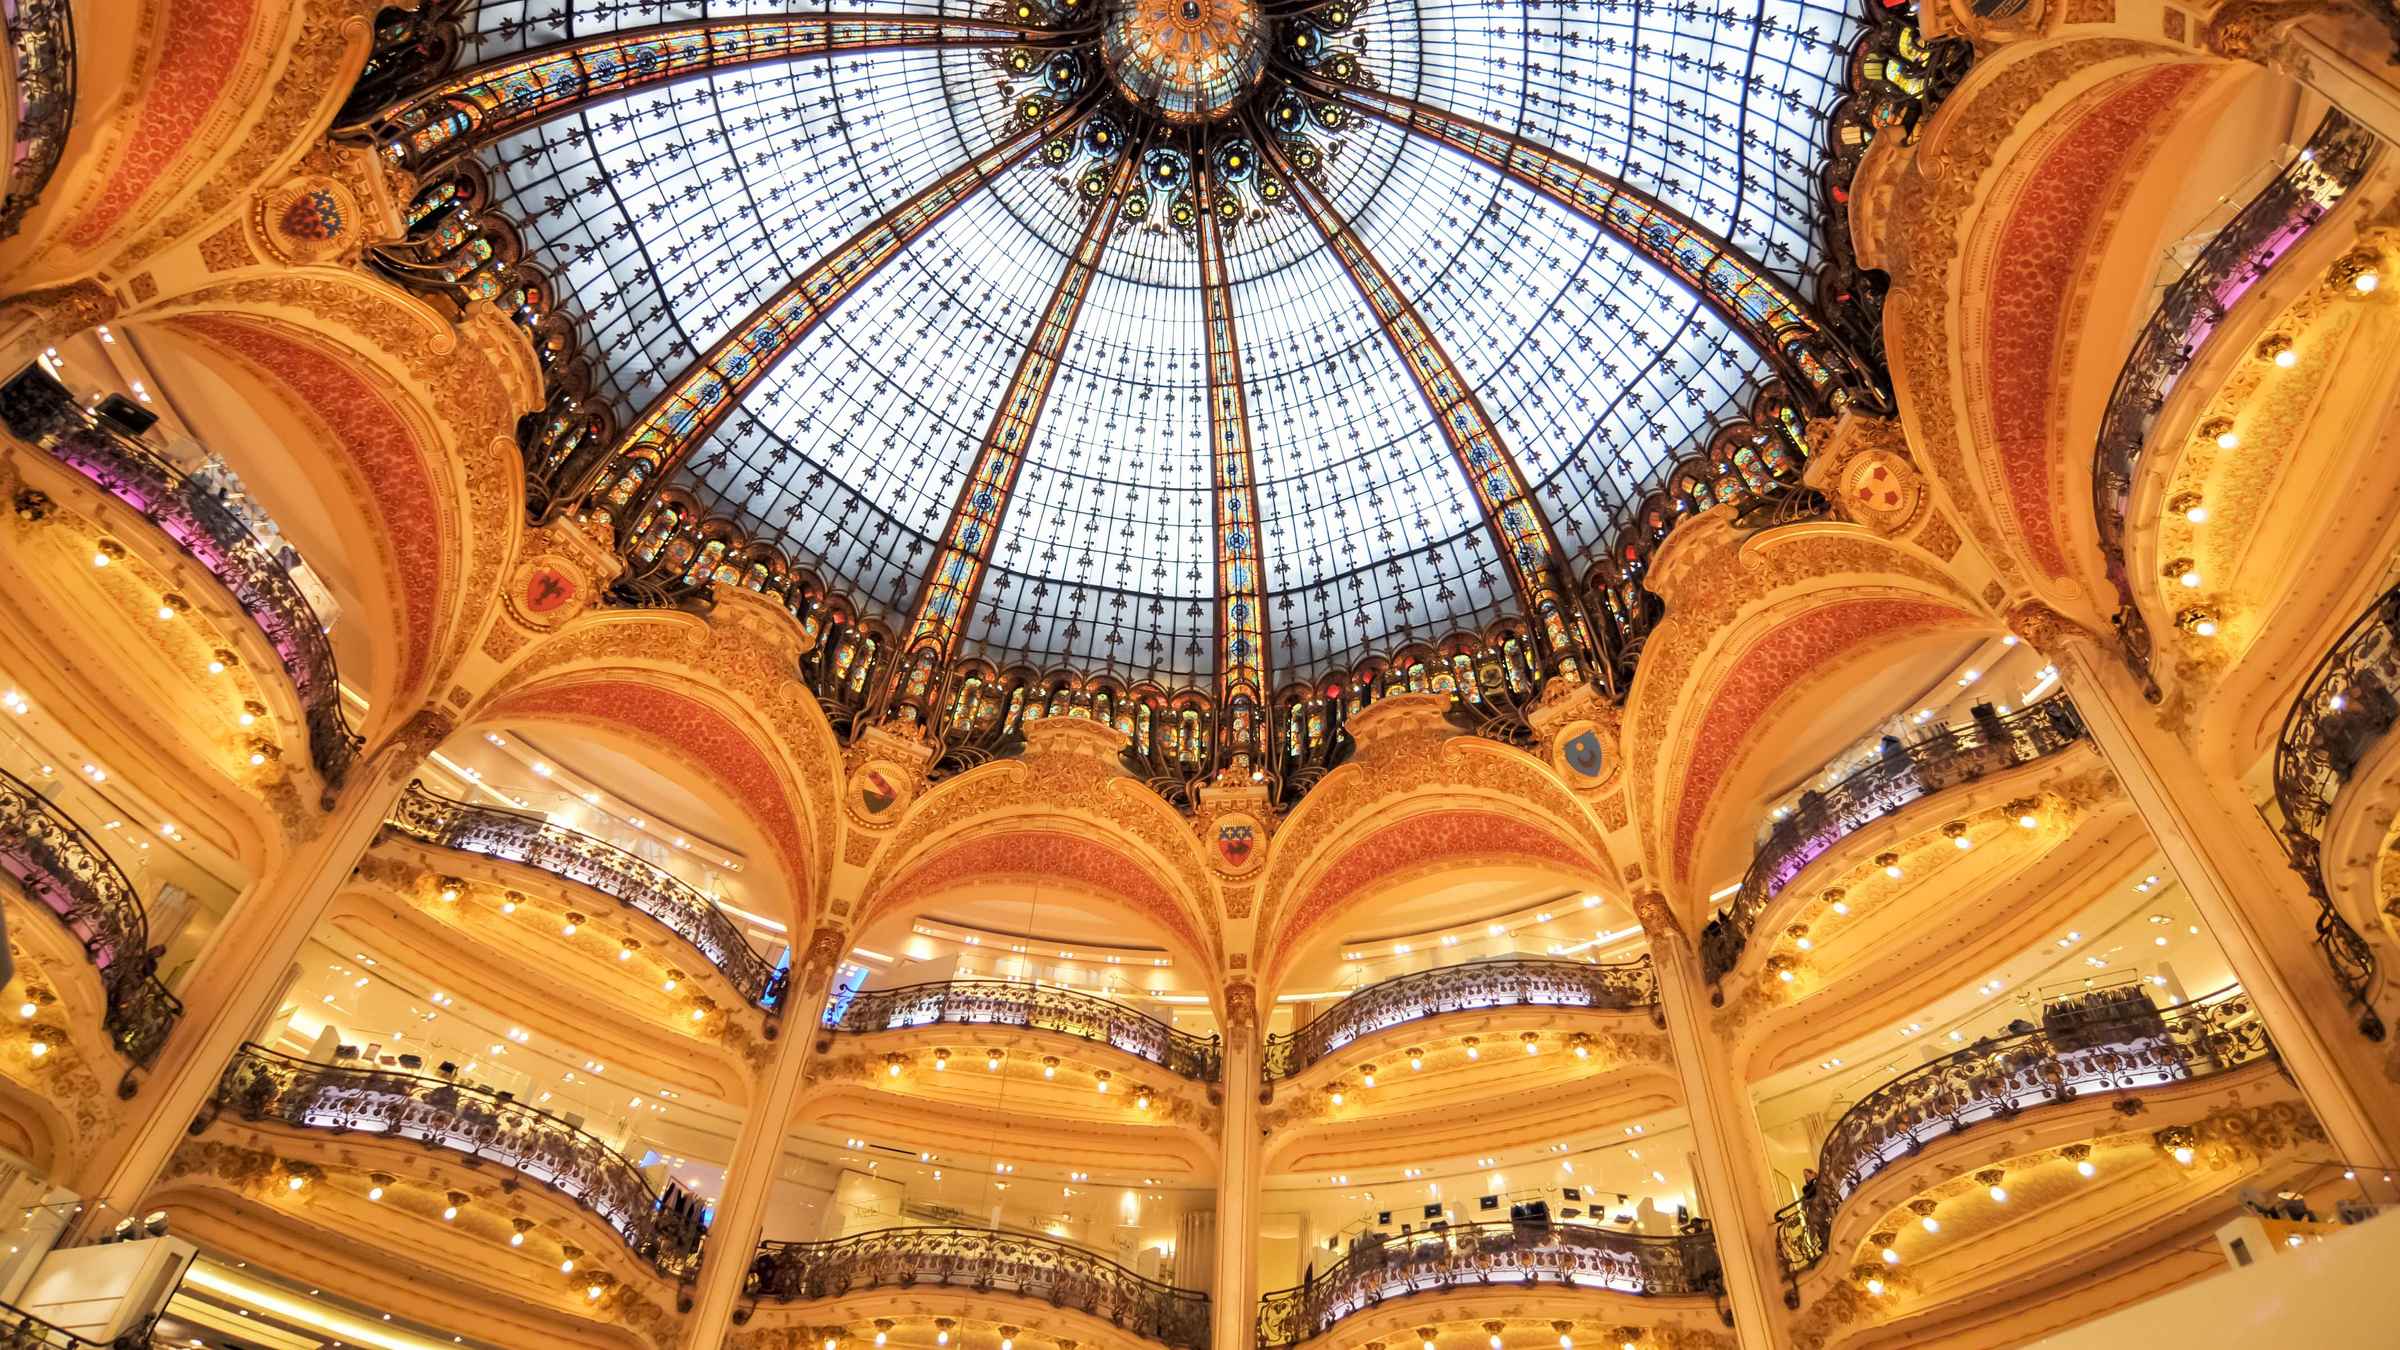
{"x":40,"y":409}
{"x":2268,"y":228}
{"x":41,"y":43}
{"x":1954,"y":755}
{"x":982,"y":1259}
{"x":2343,"y":710}
{"x":520,"y":837}
{"x":1479,"y":1254}
{"x":1512,"y":981}
{"x":65,"y":871}
{"x":2121,"y":1047}
{"x":264,"y":1085}
{"x":1007,"y":1003}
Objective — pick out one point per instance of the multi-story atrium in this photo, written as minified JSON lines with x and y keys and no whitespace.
{"x":1199,"y":674}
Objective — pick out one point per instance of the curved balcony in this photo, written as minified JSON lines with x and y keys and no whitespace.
{"x":2268,"y":228}
{"x":531,"y":840}
{"x":64,"y":870}
{"x":262,"y":1084}
{"x":41,"y":38}
{"x":2116,"y":1042}
{"x":1006,"y":1003}
{"x":2344,"y":709}
{"x":1626,"y":986}
{"x":982,"y":1259}
{"x":1466,"y":1256}
{"x":1954,"y":755}
{"x":40,"y":409}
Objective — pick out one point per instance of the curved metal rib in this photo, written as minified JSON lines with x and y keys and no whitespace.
{"x":532,"y":840}
{"x":65,"y":871}
{"x":1627,"y":986}
{"x":477,"y":107}
{"x":262,"y":1084}
{"x":1242,"y":671}
{"x":1524,"y":539}
{"x":2113,"y":1041}
{"x":1524,"y":1252}
{"x":1952,"y":756}
{"x":948,"y":591}
{"x":40,"y":409}
{"x":689,"y":410}
{"x":1779,"y":324}
{"x":983,"y":1259}
{"x":1006,"y":1003}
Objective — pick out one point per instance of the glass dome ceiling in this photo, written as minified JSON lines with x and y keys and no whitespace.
{"x":670,"y":212}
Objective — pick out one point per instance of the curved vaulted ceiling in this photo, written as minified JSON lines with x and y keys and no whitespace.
{"x":1541,"y":249}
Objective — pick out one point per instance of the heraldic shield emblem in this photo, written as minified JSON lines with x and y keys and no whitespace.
{"x":1235,"y":843}
{"x":1583,"y":754}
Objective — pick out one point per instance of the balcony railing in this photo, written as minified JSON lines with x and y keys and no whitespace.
{"x":982,"y":1259}
{"x":2346,"y":706}
{"x":21,"y":1330}
{"x":262,"y":1084}
{"x":519,"y":837}
{"x":41,"y":42}
{"x":1478,"y":1255}
{"x":1954,"y":755}
{"x":65,"y":871}
{"x":40,"y":409}
{"x":1626,"y":986}
{"x":2121,"y":1044}
{"x":2249,"y":246}
{"x":1006,"y":1003}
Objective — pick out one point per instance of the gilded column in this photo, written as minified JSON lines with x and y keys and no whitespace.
{"x":2255,"y":906}
{"x":242,"y":976}
{"x":733,"y":1235}
{"x":1735,"y":1194}
{"x":1234,"y":1293}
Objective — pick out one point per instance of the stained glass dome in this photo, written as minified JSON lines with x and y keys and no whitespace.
{"x":999,"y":311}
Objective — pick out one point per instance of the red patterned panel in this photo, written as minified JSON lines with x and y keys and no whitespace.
{"x":1049,"y":855}
{"x":204,"y":42}
{"x":378,"y":444}
{"x":2036,"y":266}
{"x":1452,"y":837}
{"x":1773,"y":666}
{"x":695,"y":731}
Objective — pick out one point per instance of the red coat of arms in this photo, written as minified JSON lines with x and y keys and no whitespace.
{"x":1235,"y":843}
{"x":547,"y":589}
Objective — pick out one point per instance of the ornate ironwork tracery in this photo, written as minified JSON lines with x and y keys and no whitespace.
{"x":1471,"y":986}
{"x":1008,"y":1003}
{"x":38,"y":408}
{"x":66,"y":871}
{"x":982,"y":1259}
{"x":520,"y":837}
{"x":262,"y":1084}
{"x":2126,"y":1046}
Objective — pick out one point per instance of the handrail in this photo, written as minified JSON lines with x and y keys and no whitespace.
{"x":1624,"y":986}
{"x":2188,"y":315}
{"x":2117,"y":1044}
{"x":21,"y":1330}
{"x":2344,"y":707}
{"x":1519,"y":1252}
{"x":1040,"y":1007}
{"x":1953,"y":755}
{"x":263,"y":1084}
{"x":68,"y":873}
{"x":41,"y":42}
{"x":40,"y":409}
{"x":521,"y":837}
{"x":984,"y":1259}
